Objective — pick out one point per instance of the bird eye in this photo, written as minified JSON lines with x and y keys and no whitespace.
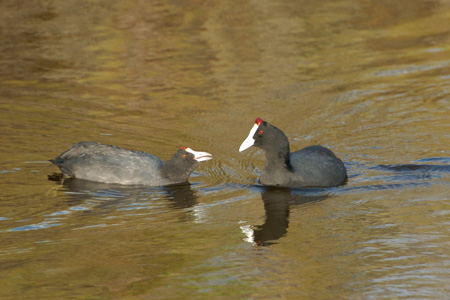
{"x":260,"y":132}
{"x":184,"y":155}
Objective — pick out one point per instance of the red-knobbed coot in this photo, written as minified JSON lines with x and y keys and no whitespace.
{"x":111,"y":164}
{"x":313,"y":166}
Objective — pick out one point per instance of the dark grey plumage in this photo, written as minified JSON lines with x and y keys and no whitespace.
{"x":313,"y":166}
{"x":112,"y":164}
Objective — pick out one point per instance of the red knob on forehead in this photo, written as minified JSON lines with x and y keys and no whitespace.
{"x":183,"y":148}
{"x":259,"y":121}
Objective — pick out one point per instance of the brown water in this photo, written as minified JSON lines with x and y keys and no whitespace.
{"x":368,"y":79}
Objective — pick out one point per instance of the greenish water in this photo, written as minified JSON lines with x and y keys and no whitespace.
{"x":368,"y":79}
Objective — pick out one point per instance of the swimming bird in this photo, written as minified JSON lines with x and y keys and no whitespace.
{"x":112,"y":164}
{"x":313,"y":166}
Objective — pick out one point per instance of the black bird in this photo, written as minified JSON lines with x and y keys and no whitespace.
{"x":112,"y":164}
{"x":313,"y":166}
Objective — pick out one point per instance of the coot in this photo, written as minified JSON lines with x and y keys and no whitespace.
{"x":313,"y":166}
{"x":111,"y":164}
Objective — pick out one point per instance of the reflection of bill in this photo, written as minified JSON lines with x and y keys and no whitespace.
{"x":248,"y":232}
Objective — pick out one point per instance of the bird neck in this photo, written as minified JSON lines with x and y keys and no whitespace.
{"x":279,"y":157}
{"x":175,"y":172}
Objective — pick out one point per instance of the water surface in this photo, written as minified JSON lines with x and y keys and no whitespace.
{"x":368,"y":79}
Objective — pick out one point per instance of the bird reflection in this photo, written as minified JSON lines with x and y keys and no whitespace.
{"x":179,"y":196}
{"x":277,"y":202}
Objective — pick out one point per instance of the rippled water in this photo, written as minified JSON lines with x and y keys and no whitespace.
{"x":368,"y":79}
